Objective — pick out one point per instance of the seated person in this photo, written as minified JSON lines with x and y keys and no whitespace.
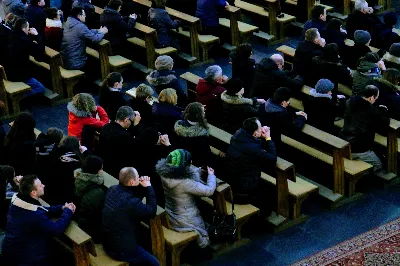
{"x":122,"y":213}
{"x":90,"y":194}
{"x":83,"y":111}
{"x":382,"y":34}
{"x":243,"y":66}
{"x":16,"y":7}
{"x":334,"y":33}
{"x":209,"y":88}
{"x":182,"y":186}
{"x":6,"y":27}
{"x":274,"y":113}
{"x":269,"y":75}
{"x":318,"y":21}
{"x":160,"y":21}
{"x":322,"y":108}
{"x":92,"y":19}
{"x":30,"y":229}
{"x":117,"y":27}
{"x":207,"y":12}
{"x":9,"y":185}
{"x":141,"y":103}
{"x":362,"y":18}
{"x":361,"y":121}
{"x":312,"y":46}
{"x":392,"y":57}
{"x":369,"y":67}
{"x":110,"y":96}
{"x":36,"y":16}
{"x":76,"y":33}
{"x":389,"y":94}
{"x":361,"y":47}
{"x":54,"y":30}
{"x":164,"y":77}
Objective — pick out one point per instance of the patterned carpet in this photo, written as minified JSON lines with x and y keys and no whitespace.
{"x":378,"y":247}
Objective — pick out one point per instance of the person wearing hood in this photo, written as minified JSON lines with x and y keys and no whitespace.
{"x":164,"y":77}
{"x":73,"y":44}
{"x":270,"y":75}
{"x":389,"y":92}
{"x":361,"y":121}
{"x":360,"y":48}
{"x":122,"y":213}
{"x":117,"y":27}
{"x":251,"y":150}
{"x":182,"y":186}
{"x":362,"y":18}
{"x":83,"y":111}
{"x":36,"y":16}
{"x":54,"y":30}
{"x":322,"y":108}
{"x":142,"y":104}
{"x":110,"y":96}
{"x":313,"y":45}
{"x":274,"y":114}
{"x":243,"y":66}
{"x":334,"y":33}
{"x":160,"y":21}
{"x":90,"y":195}
{"x":318,"y":20}
{"x":382,"y":34}
{"x":209,"y":88}
{"x":392,"y":57}
{"x":369,"y":67}
{"x":192,"y":134}
{"x":92,"y":19}
{"x":15,"y":7}
{"x":234,"y":107}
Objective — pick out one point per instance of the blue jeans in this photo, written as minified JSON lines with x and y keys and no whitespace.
{"x":139,"y":257}
{"x":368,"y":157}
{"x":37,"y":87}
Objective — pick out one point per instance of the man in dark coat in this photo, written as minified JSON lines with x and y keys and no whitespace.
{"x":30,"y":229}
{"x":382,"y":34}
{"x":117,"y":27}
{"x":269,"y":76}
{"x":361,"y":18}
{"x":352,"y":54}
{"x":318,"y":19}
{"x":36,"y":16}
{"x":123,"y":211}
{"x":116,"y":144}
{"x":361,"y":121}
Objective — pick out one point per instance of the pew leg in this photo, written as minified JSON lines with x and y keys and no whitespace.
{"x":15,"y":103}
{"x":352,"y":185}
{"x":70,"y":87}
{"x":81,"y":254}
{"x":176,"y":254}
{"x":281,"y":32}
{"x":205,"y":53}
{"x":296,"y":211}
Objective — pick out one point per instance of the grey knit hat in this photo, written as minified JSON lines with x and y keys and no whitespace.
{"x":361,"y":36}
{"x":164,"y":62}
{"x":395,"y":49}
{"x":324,"y":86}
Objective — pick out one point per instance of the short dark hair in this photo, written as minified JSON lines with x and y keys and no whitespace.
{"x":370,"y":90}
{"x":114,"y":4}
{"x":334,"y":24}
{"x":20,"y":24}
{"x":124,"y":112}
{"x":92,"y":164}
{"x":250,"y":125}
{"x":281,"y":94}
{"x":76,"y":11}
{"x":51,"y":12}
{"x":317,"y":11}
{"x":34,"y":2}
{"x":112,"y":78}
{"x":55,"y":134}
{"x":27,"y":184}
{"x":311,"y":34}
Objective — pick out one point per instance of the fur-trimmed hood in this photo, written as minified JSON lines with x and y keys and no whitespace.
{"x":391,"y":58}
{"x":386,"y":85}
{"x":79,"y":113}
{"x":184,"y":129}
{"x":173,"y":176}
{"x":237,"y":99}
{"x":25,"y":205}
{"x":161,"y":77}
{"x":85,"y":182}
{"x":313,"y":92}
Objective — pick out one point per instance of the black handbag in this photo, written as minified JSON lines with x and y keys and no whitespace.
{"x":224,"y":227}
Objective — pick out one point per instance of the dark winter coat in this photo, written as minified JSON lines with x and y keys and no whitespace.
{"x":117,"y":28}
{"x":207,"y":93}
{"x":363,"y":77}
{"x":389,"y":95}
{"x":5,"y":32}
{"x":359,"y":21}
{"x":361,"y":121}
{"x":207,"y":12}
{"x":391,"y":61}
{"x":303,"y":58}
{"x":30,"y":230}
{"x":246,"y":157}
{"x":314,"y":23}
{"x":336,"y":36}
{"x":36,"y":18}
{"x":268,"y":78}
{"x":21,"y":154}
{"x":382,"y":36}
{"x":90,"y":195}
{"x":335,"y":72}
{"x":162,"y":23}
{"x":111,"y":101}
{"x":243,"y":69}
{"x":164,"y":79}
{"x":145,"y":110}
{"x":165,"y":115}
{"x":353,"y":53}
{"x":236,"y":109}
{"x":123,"y":211}
{"x":14,"y":6}
{"x":194,"y":139}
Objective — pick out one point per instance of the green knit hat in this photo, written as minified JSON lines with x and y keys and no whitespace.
{"x":179,"y":158}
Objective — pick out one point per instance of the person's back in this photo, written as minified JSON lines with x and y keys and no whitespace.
{"x":243,"y":66}
{"x":141,"y":103}
{"x":110,"y":96}
{"x":159,"y":20}
{"x":382,"y":34}
{"x":389,"y":95}
{"x":318,"y":14}
{"x":54,"y":30}
{"x":36,"y":16}
{"x":392,"y":57}
{"x":361,"y":18}
{"x":165,"y":112}
{"x":14,"y":6}
{"x":207,"y":11}
{"x":368,"y":68}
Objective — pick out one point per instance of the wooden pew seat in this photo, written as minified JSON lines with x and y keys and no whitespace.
{"x":102,"y":259}
{"x":13,"y":91}
{"x":174,"y":238}
{"x":159,"y":51}
{"x":262,"y":12}
{"x":243,"y":27}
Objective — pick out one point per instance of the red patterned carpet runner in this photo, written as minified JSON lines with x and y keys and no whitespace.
{"x":378,"y":247}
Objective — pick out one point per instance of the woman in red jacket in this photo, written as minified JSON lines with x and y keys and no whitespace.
{"x":83,"y":111}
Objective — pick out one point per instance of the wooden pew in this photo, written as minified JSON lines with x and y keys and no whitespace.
{"x":310,"y":6}
{"x":349,"y":42}
{"x":11,"y":93}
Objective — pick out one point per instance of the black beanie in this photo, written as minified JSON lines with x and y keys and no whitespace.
{"x":233,"y":86}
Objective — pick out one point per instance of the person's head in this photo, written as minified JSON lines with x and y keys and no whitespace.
{"x":31,"y":186}
{"x":318,"y":12}
{"x":37,"y":3}
{"x":92,"y":165}
{"x":179,"y":158}
{"x":390,"y":18}
{"x":282,"y":96}
{"x":194,"y":112}
{"x":114,"y":80}
{"x":160,"y":3}
{"x":334,"y":24}
{"x":278,"y":59}
{"x":392,"y":75}
{"x":370,"y":93}
{"x":22,"y":129}
{"x":84,"y":102}
{"x":78,"y":13}
{"x":52,"y":13}
{"x":164,"y":62}
{"x":234,"y":87}
{"x":312,"y":35}
{"x":129,"y":177}
{"x":394,"y":49}
{"x":244,"y":51}
{"x":7,"y":173}
{"x":125,"y":116}
{"x":213,"y":74}
{"x":362,"y":36}
{"x":22,"y":24}
{"x":252,"y":126}
{"x":115,"y":5}
{"x":369,"y":58}
{"x":324,"y":86}
{"x":361,"y":5}
{"x":168,"y":96}
{"x":55,"y":134}
{"x":144,"y":92}
{"x":70,"y":144}
{"x":331,"y":53}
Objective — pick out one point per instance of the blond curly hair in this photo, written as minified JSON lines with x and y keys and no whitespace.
{"x":84,"y":102}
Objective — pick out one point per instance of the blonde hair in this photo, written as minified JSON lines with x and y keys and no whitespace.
{"x":168,"y":96}
{"x":84,"y":102}
{"x":143,"y":91}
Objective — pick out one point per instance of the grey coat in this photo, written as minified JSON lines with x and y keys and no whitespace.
{"x":181,"y":188}
{"x":73,"y":45}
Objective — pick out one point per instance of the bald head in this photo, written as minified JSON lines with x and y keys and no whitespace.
{"x":278,"y":59}
{"x":127,"y":174}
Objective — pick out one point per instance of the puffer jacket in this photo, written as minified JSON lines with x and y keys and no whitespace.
{"x":162,"y":23}
{"x":363,"y":76}
{"x":303,"y":56}
{"x":353,"y":53}
{"x":208,"y":92}
{"x":73,"y":44}
{"x":78,"y":119}
{"x":165,"y":115}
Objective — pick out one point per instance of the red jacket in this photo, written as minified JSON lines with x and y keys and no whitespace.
{"x":207,"y":91}
{"x":78,"y":118}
